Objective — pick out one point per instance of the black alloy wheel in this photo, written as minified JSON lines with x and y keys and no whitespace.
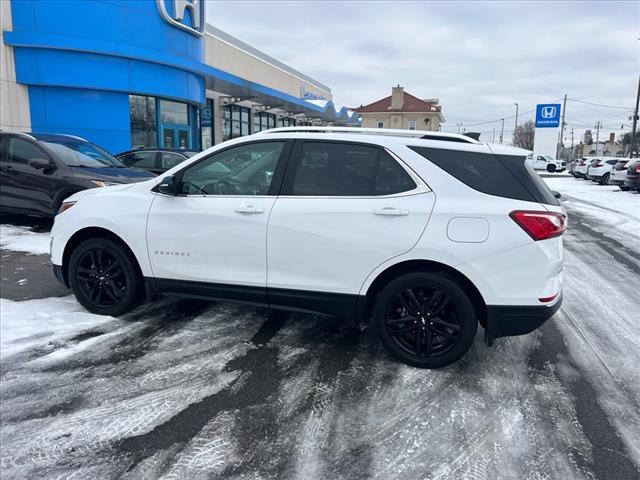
{"x":103,"y":277}
{"x":425,"y":319}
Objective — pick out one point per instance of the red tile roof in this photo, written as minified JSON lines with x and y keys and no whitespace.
{"x":411,"y":104}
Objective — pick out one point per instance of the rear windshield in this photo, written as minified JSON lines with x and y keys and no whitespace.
{"x":507,"y":176}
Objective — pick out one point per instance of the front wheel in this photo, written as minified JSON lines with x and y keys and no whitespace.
{"x":551,"y":168}
{"x":103,"y":277}
{"x":624,"y":188}
{"x":425,"y":319}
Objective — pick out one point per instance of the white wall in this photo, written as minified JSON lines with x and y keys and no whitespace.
{"x":14,"y":98}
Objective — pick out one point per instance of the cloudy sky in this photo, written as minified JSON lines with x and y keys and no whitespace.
{"x":478,"y":58}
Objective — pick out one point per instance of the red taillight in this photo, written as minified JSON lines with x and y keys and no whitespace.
{"x":540,"y":225}
{"x":638,"y":168}
{"x":548,"y":299}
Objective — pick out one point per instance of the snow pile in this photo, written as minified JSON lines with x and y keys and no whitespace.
{"x":23,"y":239}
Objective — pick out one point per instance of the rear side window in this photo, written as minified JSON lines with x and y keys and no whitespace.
{"x":505,"y":176}
{"x":21,"y":151}
{"x":343,"y":169}
{"x":140,"y":159}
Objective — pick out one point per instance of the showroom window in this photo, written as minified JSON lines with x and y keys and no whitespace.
{"x":143,"y":120}
{"x":206,"y":125}
{"x":287,"y":122}
{"x":263,"y":121}
{"x":342,"y":169}
{"x":235,"y":122}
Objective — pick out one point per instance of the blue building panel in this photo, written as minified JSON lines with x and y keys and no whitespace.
{"x":99,"y":116}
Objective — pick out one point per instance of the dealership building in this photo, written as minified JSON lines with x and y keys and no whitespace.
{"x":145,"y":73}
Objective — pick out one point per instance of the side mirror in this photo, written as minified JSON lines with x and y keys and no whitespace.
{"x":41,"y":164}
{"x":167,"y":185}
{"x":556,"y":194}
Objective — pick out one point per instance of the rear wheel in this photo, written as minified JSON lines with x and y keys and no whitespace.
{"x":605,"y":179}
{"x":551,"y":168}
{"x":425,"y":319}
{"x":104,"y":277}
{"x":623,"y":188}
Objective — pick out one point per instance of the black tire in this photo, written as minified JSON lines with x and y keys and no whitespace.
{"x":104,"y":277}
{"x":605,"y":179}
{"x":623,"y":188}
{"x":551,"y":168}
{"x":439,"y":330}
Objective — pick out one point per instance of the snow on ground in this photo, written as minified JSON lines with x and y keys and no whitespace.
{"x":23,"y":239}
{"x":606,"y":205}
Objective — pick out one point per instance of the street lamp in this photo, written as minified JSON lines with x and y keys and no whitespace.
{"x":458,"y":125}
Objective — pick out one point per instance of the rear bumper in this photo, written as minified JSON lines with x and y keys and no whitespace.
{"x":633,"y":182}
{"x":508,"y":321}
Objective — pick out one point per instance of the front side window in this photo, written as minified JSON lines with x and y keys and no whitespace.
{"x":341,"y":169}
{"x":242,"y":170}
{"x":21,"y":151}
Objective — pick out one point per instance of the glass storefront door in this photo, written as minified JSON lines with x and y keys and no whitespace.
{"x":175,"y":136}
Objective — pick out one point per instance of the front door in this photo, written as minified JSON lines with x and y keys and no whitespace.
{"x":25,"y":187}
{"x":176,"y":136}
{"x":212,"y":235}
{"x":343,"y":210}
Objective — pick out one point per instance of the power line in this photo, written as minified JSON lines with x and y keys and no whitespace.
{"x":599,"y":104}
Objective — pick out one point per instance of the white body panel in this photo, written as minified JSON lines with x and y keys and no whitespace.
{"x":619,"y":176}
{"x":332,"y":244}
{"x":209,"y":238}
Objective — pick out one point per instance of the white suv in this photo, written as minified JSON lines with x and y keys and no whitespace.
{"x":428,"y":234}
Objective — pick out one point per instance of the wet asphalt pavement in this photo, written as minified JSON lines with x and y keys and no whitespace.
{"x":193,"y":389}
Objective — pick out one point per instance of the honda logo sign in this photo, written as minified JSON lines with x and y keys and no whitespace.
{"x":180,"y":10}
{"x":548,"y":115}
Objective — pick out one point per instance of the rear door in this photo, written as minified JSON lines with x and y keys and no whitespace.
{"x":344,"y":209}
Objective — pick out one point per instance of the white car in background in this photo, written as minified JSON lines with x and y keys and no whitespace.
{"x":619,"y":173}
{"x":546,"y":162}
{"x":600,"y":169}
{"x":581,"y":169}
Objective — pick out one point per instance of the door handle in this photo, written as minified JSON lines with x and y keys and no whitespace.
{"x":249,"y":209}
{"x":392,"y":212}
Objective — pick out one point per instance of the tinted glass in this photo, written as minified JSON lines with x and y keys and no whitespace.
{"x":243,"y":170}
{"x":335,"y":169}
{"x":500,"y":175}
{"x":392,"y":178}
{"x":342,"y":169}
{"x":21,"y":151}
{"x":82,"y":154}
{"x":140,"y":159}
{"x":169,"y":160}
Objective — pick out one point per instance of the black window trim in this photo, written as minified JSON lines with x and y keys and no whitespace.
{"x":276,"y":182}
{"x":289,"y":176}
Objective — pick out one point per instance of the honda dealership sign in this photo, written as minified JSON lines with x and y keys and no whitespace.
{"x":176,"y":14}
{"x":547,"y":115}
{"x":545,"y":140}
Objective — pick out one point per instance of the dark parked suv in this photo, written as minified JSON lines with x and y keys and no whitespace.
{"x":38,"y":171}
{"x":156,"y":160}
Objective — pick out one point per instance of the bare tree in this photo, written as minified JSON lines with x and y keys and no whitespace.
{"x":523,"y":135}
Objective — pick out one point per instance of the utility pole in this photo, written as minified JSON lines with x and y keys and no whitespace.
{"x":493,"y":137}
{"x":597,"y":127}
{"x":515,"y":127}
{"x":572,"y":148}
{"x":502,"y":130}
{"x":458,"y":125}
{"x":560,"y":147}
{"x":634,"y":143}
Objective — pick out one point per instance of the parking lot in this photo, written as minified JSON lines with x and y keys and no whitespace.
{"x":193,"y":389}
